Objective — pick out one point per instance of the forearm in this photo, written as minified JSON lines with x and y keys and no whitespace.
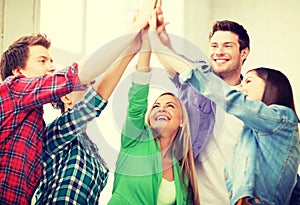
{"x":173,"y":62}
{"x":171,"y":72}
{"x":45,"y":89}
{"x":104,"y":57}
{"x":108,"y":82}
{"x":143,"y":63}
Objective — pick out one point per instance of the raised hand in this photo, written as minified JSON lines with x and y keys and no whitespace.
{"x":161,"y":43}
{"x":142,"y":15}
{"x":159,"y":12}
{"x":156,"y":23}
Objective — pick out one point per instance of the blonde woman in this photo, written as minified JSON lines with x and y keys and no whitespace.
{"x":155,"y":164}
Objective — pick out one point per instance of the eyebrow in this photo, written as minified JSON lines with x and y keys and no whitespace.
{"x":249,"y":77}
{"x":157,"y":103}
{"x":170,"y":103}
{"x":45,"y":57}
{"x":227,"y":42}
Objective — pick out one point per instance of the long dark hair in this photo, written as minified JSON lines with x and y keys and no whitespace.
{"x":278,"y":89}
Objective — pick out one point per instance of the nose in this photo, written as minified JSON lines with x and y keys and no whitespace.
{"x":161,"y":109}
{"x":220,"y":50}
{"x":51,"y":68}
{"x":242,"y":88}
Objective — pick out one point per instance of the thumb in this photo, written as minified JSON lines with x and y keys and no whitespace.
{"x":162,"y":27}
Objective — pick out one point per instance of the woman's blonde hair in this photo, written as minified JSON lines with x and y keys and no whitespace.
{"x":182,"y":149}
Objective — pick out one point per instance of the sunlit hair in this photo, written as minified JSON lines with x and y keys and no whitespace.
{"x":17,"y":53}
{"x":182,"y":149}
{"x":235,"y":28}
{"x":278,"y":89}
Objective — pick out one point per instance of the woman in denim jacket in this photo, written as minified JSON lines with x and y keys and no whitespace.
{"x":263,"y":166}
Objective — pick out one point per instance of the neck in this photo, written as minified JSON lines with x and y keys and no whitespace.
{"x":232,"y":76}
{"x":166,"y":152}
{"x":165,"y":144}
{"x":232,"y":80}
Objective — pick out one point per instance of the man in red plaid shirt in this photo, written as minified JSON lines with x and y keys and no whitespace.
{"x":28,"y":83}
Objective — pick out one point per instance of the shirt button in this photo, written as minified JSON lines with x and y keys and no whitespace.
{"x":225,"y":176}
{"x":229,"y":195}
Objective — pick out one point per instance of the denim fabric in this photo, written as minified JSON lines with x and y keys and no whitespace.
{"x":264,"y":162}
{"x":295,"y":199}
{"x":201,"y":112}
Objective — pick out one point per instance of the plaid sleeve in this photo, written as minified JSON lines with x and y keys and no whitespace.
{"x":34,"y":92}
{"x":65,"y":127}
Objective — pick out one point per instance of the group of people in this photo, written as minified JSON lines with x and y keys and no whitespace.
{"x":223,"y":139}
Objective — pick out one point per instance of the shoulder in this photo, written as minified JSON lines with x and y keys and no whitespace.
{"x":287,"y":114}
{"x":14,"y":78}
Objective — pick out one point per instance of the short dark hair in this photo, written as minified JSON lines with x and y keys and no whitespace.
{"x":226,"y":25}
{"x":59,"y":105}
{"x":278,"y":89}
{"x":17,"y":53}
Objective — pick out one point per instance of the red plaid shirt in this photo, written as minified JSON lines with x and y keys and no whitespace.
{"x":22,"y":128}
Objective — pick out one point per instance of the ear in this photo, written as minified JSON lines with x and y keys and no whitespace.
{"x":181,"y":124}
{"x":67,"y":100}
{"x":245,"y":53}
{"x":17,"y":70}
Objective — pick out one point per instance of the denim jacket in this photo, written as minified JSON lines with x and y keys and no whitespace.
{"x":265,"y":159}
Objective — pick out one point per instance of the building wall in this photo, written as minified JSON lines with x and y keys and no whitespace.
{"x":19,"y":18}
{"x":273,"y":26}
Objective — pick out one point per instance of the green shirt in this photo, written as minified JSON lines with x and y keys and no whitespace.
{"x":139,"y":166}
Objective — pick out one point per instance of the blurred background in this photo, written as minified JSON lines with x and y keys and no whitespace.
{"x":78,"y":27}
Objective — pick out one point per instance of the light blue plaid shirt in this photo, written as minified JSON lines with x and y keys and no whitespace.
{"x":73,"y":171}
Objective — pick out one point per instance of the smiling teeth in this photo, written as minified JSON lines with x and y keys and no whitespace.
{"x":161,"y":117}
{"x":221,"y":61}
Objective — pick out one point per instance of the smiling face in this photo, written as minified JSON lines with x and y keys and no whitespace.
{"x":39,"y":62}
{"x":165,"y":115}
{"x":225,"y":55}
{"x":253,"y":86}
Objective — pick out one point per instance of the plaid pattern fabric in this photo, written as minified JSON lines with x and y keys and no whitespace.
{"x":22,"y":128}
{"x":73,"y":171}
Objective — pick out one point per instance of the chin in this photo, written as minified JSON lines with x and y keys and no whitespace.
{"x":158,"y":129}
{"x":219,"y":69}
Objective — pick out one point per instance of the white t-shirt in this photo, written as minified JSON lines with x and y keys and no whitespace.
{"x":210,"y":168}
{"x":166,"y":193}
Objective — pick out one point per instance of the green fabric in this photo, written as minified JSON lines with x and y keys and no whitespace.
{"x":139,"y":166}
